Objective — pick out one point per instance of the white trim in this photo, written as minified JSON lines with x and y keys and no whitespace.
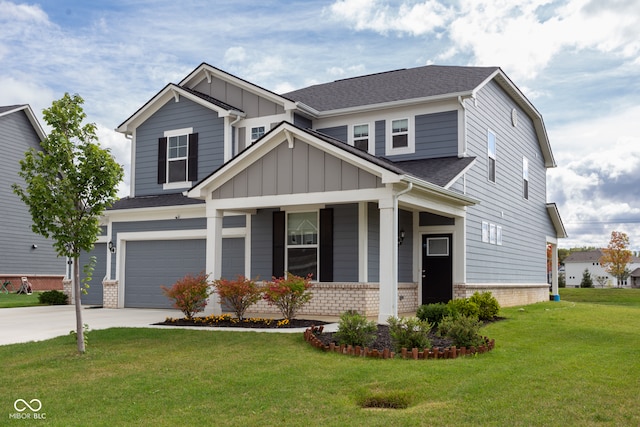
{"x":178,"y":132}
{"x":177,"y":185}
{"x":410,"y":132}
{"x":371,"y":138}
{"x":132,"y":168}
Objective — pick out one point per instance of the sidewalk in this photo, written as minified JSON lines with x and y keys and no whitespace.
{"x":26,"y":324}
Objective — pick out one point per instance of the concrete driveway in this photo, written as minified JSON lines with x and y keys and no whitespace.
{"x":18,"y":325}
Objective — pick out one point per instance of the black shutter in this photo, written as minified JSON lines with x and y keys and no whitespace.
{"x":162,"y":160}
{"x":193,"y":157}
{"x":279,"y":235}
{"x":326,"y":245}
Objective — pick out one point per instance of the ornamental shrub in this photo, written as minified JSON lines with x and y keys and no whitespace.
{"x":53,"y":298}
{"x":463,"y":307}
{"x":463,"y":330}
{"x":433,"y":313}
{"x":409,"y":332}
{"x":289,"y":294}
{"x":354,"y":329}
{"x":488,"y":305}
{"x":189,"y":294}
{"x":239,"y":294}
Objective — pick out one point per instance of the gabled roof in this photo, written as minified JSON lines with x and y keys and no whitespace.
{"x":410,"y":86}
{"x":174,"y":91}
{"x":584,"y":256}
{"x":440,"y":171}
{"x":155,"y":201}
{"x":4,"y":111}
{"x":389,"y":172}
{"x":391,"y":86}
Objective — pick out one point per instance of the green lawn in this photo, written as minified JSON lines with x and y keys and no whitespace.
{"x":555,"y":364}
{"x":18,"y":300}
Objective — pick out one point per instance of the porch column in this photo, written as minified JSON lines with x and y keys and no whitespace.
{"x":554,"y":272}
{"x":388,"y":260}
{"x":214,"y":254}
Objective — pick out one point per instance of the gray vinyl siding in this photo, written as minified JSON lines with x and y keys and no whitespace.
{"x":373,"y":241}
{"x":235,"y":221}
{"x":302,"y":121}
{"x":177,"y":115}
{"x":161,"y":225}
{"x":16,"y":237}
{"x":232,"y":257}
{"x":94,"y":293}
{"x":248,"y":102}
{"x":525,"y":223}
{"x":303,"y":169}
{"x":345,"y":243}
{"x":262,"y":244}
{"x":380,"y":137}
{"x":337,"y":132}
{"x":405,"y":250}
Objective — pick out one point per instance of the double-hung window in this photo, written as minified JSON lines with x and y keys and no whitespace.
{"x":400,"y":133}
{"x":256,"y":133}
{"x":178,"y":158}
{"x":525,"y":178}
{"x":302,"y":244}
{"x":491,"y":155}
{"x":361,"y":137}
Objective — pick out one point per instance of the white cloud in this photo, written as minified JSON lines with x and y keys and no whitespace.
{"x":234,"y":54}
{"x":23,"y":12}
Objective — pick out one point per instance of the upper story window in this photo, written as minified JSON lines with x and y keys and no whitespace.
{"x":256,"y":133}
{"x":178,"y":158}
{"x":361,"y":137}
{"x":525,"y":178}
{"x":400,"y":137}
{"x":491,"y":155}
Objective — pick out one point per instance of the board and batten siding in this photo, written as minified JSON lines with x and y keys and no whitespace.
{"x":248,"y":102}
{"x":18,"y":255}
{"x":525,"y":223}
{"x":177,"y":115}
{"x":303,"y":169}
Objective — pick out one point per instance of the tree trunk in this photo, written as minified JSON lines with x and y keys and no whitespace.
{"x":78,"y":303}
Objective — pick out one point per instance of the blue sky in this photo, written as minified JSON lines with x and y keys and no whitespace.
{"x":578,"y":61}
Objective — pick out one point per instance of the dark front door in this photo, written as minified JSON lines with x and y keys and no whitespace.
{"x":437,"y":266}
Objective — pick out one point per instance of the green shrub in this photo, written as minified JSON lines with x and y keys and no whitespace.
{"x":463,"y":330}
{"x":288,"y":293}
{"x":409,"y":332}
{"x":401,"y":399}
{"x":433,"y":313}
{"x":463,"y":307}
{"x":53,"y":298}
{"x":239,"y":294}
{"x":189,"y":294}
{"x":488,"y":305}
{"x":355,"y":329}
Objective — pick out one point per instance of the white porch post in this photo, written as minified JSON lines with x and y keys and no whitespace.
{"x":214,"y":254}
{"x":388,"y":260}
{"x":554,"y":272}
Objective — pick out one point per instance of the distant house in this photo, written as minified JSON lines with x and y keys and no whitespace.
{"x":577,"y":262}
{"x":393,"y":190}
{"x":23,"y":252}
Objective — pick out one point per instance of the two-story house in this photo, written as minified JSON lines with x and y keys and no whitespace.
{"x":24,"y":253}
{"x":392,"y":189}
{"x":577,"y":262}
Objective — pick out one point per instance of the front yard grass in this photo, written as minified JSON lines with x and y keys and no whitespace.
{"x":13,"y":299}
{"x":555,"y":364}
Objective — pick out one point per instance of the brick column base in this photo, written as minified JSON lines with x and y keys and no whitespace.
{"x":67,"y":288}
{"x":110,"y":294}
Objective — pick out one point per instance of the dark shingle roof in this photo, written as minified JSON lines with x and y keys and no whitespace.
{"x":9,"y":108}
{"x":404,"y":84}
{"x":438,"y":171}
{"x":584,"y":256}
{"x":161,"y":200}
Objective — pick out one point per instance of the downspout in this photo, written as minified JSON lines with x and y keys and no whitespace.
{"x":464,"y":124}
{"x":395,"y":247}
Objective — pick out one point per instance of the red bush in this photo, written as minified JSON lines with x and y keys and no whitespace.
{"x":239,"y":294}
{"x":189,"y":294}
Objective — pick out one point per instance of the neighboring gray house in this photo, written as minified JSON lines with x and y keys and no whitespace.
{"x":577,"y":262}
{"x":393,"y":189}
{"x":23,"y":253}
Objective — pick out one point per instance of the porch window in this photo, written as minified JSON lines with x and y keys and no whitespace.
{"x":302,"y":244}
{"x":491,"y":155}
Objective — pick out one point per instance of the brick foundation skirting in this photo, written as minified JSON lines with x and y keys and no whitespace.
{"x":39,"y":282}
{"x":508,"y":295}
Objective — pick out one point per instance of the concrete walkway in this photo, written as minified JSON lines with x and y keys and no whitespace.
{"x":24,"y":324}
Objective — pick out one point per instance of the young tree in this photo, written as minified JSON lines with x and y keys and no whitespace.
{"x":616,"y":256}
{"x":69,"y":184}
{"x":587,"y":281}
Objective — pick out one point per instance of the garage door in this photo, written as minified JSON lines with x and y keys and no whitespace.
{"x":150,"y":264}
{"x":94,"y":293}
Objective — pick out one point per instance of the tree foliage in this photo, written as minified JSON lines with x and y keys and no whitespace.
{"x":616,"y":256}
{"x":68,"y":185}
{"x":587,"y":281}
